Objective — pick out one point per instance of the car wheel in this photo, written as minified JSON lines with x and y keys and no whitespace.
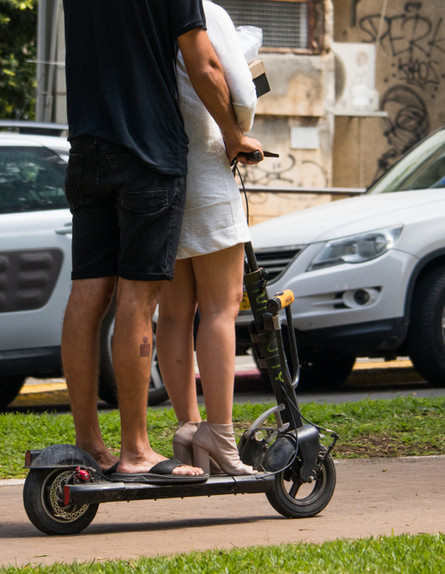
{"x":107,"y":382}
{"x":426,"y":336}
{"x":319,"y":369}
{"x":9,"y":388}
{"x":324,"y":369}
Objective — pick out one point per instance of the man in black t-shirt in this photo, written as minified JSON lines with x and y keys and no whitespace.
{"x":125,"y":186}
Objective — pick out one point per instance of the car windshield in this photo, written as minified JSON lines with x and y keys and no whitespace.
{"x":31,"y":179}
{"x":421,"y":168}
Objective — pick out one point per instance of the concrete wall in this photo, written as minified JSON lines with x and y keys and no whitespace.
{"x":291,"y":120}
{"x":294,"y":120}
{"x":410,"y":77}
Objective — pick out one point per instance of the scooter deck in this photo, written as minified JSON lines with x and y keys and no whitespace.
{"x":99,"y":492}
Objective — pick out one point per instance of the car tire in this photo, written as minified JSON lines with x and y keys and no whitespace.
{"x":9,"y":388}
{"x":319,"y":369}
{"x":107,"y":382}
{"x":426,"y":335}
{"x":324,"y":369}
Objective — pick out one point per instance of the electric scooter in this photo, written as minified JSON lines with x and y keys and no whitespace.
{"x":65,"y":485}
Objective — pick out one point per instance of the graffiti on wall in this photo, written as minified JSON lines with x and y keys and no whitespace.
{"x":415,"y":43}
{"x":406,"y":124}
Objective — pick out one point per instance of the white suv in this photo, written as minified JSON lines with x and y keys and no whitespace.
{"x":368,"y":273}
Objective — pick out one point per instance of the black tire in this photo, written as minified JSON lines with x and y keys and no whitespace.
{"x":293,"y":498}
{"x":107,"y":382}
{"x":43,"y":501}
{"x":324,"y":369}
{"x":9,"y":388}
{"x":426,"y":335}
{"x":319,"y":370}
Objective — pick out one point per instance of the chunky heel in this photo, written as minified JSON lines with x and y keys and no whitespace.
{"x":216,"y":443}
{"x":201,"y":458}
{"x":182,"y":453}
{"x":182,"y":441}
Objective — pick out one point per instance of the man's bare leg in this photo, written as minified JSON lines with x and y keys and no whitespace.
{"x":132,"y":344}
{"x":88,"y":303}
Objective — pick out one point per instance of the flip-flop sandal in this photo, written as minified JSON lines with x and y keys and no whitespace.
{"x":111,"y":470}
{"x":160,"y":473}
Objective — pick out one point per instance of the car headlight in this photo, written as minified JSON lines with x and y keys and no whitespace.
{"x":355,"y":248}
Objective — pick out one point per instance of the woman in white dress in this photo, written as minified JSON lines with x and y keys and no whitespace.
{"x":209,"y":268}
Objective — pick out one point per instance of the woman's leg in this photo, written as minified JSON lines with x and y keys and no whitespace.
{"x":219,"y":283}
{"x":174,"y":341}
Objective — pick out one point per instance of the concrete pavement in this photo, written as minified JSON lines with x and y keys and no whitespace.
{"x":372,"y":497}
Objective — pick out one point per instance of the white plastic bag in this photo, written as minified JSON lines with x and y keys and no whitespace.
{"x":251,"y":39}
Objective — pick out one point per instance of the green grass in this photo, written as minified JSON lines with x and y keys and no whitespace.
{"x":405,"y":554}
{"x":400,"y":427}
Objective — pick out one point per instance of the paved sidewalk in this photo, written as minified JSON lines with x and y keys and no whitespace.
{"x":372,"y":497}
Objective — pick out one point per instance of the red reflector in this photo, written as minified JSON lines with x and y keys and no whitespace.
{"x":66,"y":495}
{"x":28,"y":458}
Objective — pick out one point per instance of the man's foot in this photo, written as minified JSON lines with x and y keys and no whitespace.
{"x":142,"y":468}
{"x":104,"y":458}
{"x":167,"y":471}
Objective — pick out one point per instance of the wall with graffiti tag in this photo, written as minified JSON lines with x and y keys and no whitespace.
{"x":409,"y":39}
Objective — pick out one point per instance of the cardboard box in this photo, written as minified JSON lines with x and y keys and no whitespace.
{"x":259,"y":77}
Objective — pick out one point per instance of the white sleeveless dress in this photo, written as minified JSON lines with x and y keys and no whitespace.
{"x":214,"y":217}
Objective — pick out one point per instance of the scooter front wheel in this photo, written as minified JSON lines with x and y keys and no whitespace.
{"x":43,"y":498}
{"x":294,"y":498}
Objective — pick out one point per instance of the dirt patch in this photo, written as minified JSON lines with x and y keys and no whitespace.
{"x":382,"y":446}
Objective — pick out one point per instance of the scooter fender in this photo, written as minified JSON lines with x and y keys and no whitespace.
{"x":309,"y":446}
{"x":280,"y":454}
{"x":59,"y":455}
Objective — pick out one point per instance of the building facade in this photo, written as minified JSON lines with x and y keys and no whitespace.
{"x":354,"y":84}
{"x":409,"y":41}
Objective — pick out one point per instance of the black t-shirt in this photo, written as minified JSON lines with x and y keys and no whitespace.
{"x":120,"y":72}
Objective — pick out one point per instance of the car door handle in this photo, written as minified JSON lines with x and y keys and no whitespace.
{"x":66,"y":230}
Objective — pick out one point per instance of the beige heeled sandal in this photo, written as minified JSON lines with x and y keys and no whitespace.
{"x":183,"y":447}
{"x":217,"y":442}
{"x":182,"y":441}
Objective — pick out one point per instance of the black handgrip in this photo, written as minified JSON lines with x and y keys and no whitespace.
{"x":253,"y":155}
{"x":258,"y":156}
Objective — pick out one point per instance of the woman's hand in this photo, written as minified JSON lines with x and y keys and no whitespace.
{"x":244,"y":145}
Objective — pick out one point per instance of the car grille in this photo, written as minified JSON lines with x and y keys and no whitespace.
{"x":276,"y":260}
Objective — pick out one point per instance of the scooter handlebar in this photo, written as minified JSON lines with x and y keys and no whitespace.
{"x":257,"y":155}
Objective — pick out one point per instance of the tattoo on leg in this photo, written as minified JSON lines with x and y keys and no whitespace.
{"x":144,"y":349}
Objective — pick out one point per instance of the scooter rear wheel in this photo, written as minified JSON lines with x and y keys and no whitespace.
{"x":294,"y":498}
{"x":43,"y":498}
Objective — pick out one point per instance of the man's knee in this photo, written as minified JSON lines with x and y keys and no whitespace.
{"x":94,"y":295}
{"x":144,"y":295}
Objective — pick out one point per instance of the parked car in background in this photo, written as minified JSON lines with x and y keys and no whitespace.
{"x":35,"y":263}
{"x":368,"y":273}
